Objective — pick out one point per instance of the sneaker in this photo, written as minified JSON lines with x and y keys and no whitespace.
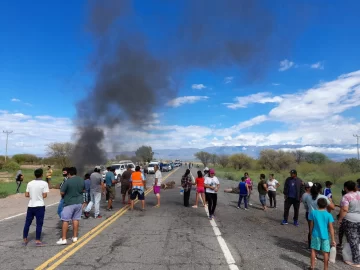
{"x":250,"y":204}
{"x":210,"y":217}
{"x":194,"y":206}
{"x":108,"y":209}
{"x":238,"y":207}
{"x":246,"y":208}
{"x":99,"y":216}
{"x":74,"y":239}
{"x":284,"y":222}
{"x":296,"y":223}
{"x":61,"y":242}
{"x":86,"y":214}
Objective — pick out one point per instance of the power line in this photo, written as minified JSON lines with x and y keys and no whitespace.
{"x":7,"y":132}
{"x":357,"y":145}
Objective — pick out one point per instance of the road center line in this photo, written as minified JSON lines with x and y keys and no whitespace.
{"x":67,"y":252}
{"x":226,"y":251}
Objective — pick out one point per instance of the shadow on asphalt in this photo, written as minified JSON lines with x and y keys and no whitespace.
{"x":295,"y":261}
{"x":292,"y":245}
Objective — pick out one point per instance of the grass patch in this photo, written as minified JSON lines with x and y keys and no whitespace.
{"x":311,"y":176}
{"x":9,"y":188}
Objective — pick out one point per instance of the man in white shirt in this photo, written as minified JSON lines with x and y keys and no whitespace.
{"x":157,"y":184}
{"x":36,"y":190}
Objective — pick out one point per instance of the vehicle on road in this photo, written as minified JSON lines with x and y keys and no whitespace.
{"x":151,"y":167}
{"x":120,"y":168}
{"x":166,"y":167}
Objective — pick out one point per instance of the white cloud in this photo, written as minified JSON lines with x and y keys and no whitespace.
{"x":318,"y":65}
{"x":285,"y":65}
{"x":262,"y":98}
{"x":185,"y":100}
{"x":325,"y":150}
{"x":198,"y":86}
{"x":15,"y":100}
{"x":275,"y":84}
{"x":228,"y":79}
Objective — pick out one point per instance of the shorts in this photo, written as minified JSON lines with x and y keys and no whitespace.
{"x":125,"y":189}
{"x":136,"y":193}
{"x":320,"y":244}
{"x":71,"y":212}
{"x":200,"y":190}
{"x":111,"y":192}
{"x":262,"y":199}
{"x":156,"y":189}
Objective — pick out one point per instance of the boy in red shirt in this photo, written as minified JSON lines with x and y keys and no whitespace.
{"x":200,"y":189}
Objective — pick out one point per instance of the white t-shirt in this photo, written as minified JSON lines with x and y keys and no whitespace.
{"x":36,"y":188}
{"x":272,"y":184}
{"x":312,"y":204}
{"x":159,"y":178}
{"x":211,"y":182}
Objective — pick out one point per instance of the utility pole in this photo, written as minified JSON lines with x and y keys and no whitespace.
{"x":357,"y":144}
{"x":7,"y":132}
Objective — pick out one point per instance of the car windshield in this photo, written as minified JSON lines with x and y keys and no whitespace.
{"x":116,"y":167}
{"x":131,"y":165}
{"x":165,"y":164}
{"x":151,"y":165}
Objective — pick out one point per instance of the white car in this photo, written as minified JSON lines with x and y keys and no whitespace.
{"x":151,"y":167}
{"x":120,"y":168}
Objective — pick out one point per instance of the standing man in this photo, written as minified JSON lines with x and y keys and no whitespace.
{"x":293,"y":191}
{"x":72,"y":190}
{"x":157,"y":184}
{"x":36,"y":190}
{"x":138,"y":186}
{"x":61,"y":203}
{"x":49,"y":175}
{"x":125,"y":184}
{"x":96,"y":188}
{"x":110,"y":187}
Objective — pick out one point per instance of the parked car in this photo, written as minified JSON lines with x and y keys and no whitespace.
{"x":151,"y":169}
{"x":120,"y":168}
{"x":166,"y":167}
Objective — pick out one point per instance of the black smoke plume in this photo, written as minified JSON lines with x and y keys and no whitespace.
{"x":142,"y":48}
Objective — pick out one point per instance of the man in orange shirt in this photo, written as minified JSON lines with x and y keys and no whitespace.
{"x":138,"y":187}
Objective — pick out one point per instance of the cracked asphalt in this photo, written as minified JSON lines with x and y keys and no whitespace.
{"x":170,"y":237}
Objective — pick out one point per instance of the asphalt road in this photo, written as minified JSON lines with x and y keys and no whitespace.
{"x":169,"y":237}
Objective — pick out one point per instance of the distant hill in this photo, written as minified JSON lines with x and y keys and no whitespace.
{"x":253,"y":151}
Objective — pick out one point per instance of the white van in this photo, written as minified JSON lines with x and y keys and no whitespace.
{"x":120,"y":168}
{"x":151,"y":167}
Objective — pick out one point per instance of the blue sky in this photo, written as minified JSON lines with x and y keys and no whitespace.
{"x":44,"y":71}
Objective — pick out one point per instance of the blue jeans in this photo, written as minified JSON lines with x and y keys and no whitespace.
{"x":39,"y":213}
{"x":241,"y":197}
{"x":60,"y":207}
{"x":262,"y":199}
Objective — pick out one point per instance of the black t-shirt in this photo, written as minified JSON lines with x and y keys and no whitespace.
{"x":19,"y":177}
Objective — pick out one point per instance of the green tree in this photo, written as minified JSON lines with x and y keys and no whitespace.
{"x":353,"y":164}
{"x":316,"y":158}
{"x":335,"y":170}
{"x":204,"y":157}
{"x":223,"y":160}
{"x":276,"y":160}
{"x":241,"y":161}
{"x":25,"y":159}
{"x":60,"y":153}
{"x":299,"y":156}
{"x":214,"y":159}
{"x":145,"y":153}
{"x":122,"y":157}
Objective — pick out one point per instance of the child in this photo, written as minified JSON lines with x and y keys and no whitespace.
{"x":308,"y":186}
{"x":320,"y":226}
{"x":250,"y":184}
{"x":243,"y":193}
{"x":200,"y":189}
{"x":263,"y":190}
{"x":327,"y":189}
{"x":86,"y":193}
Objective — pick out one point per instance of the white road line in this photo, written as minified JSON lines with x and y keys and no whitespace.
{"x":226,"y":251}
{"x":18,"y":215}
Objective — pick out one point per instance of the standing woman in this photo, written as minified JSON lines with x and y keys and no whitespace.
{"x":186,"y":183}
{"x":200,"y":190}
{"x":206,"y":174}
{"x":250,"y":185}
{"x":350,"y":220}
{"x":19,"y":178}
{"x":272,"y":185}
{"x":212,"y":186}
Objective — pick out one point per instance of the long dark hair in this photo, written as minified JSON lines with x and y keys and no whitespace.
{"x":315,"y":190}
{"x":187,"y":173}
{"x":200,"y":175}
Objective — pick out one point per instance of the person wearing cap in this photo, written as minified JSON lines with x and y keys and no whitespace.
{"x":61,"y":203}
{"x":125,"y":184}
{"x":212,"y":186}
{"x":37,"y":191}
{"x":308,"y":186}
{"x":110,"y":182}
{"x":293,"y":191}
{"x":96,"y":188}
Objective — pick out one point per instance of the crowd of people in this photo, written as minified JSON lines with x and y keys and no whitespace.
{"x":79,"y":195}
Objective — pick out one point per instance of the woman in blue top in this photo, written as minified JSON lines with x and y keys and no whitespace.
{"x":243,"y":193}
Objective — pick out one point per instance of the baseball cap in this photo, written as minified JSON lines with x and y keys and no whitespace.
{"x":212,"y":171}
{"x":97,"y":167}
{"x":309,"y":184}
{"x":293,"y":172}
{"x":206,"y":169}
